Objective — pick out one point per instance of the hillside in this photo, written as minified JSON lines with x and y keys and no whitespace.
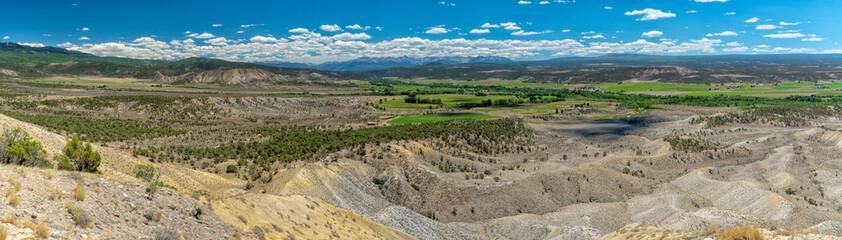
{"x":623,"y":67}
{"x":19,"y":61}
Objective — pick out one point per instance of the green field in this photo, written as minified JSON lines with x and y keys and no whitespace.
{"x":438,"y":117}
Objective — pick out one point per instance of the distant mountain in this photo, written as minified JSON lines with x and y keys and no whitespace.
{"x":20,"y":61}
{"x":622,"y":67}
{"x":369,"y":63}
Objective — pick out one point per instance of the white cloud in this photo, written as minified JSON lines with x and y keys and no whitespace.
{"x":357,"y":27}
{"x":733,"y":44}
{"x":789,"y":24}
{"x":299,"y":30}
{"x":707,"y":1}
{"x":33,"y":44}
{"x":524,"y":2}
{"x":608,"y":7}
{"x":488,"y":25}
{"x":510,"y":26}
{"x":85,"y":29}
{"x":220,"y":41}
{"x":262,"y":39}
{"x":250,"y":25}
{"x":813,"y":39}
{"x":598,"y":36}
{"x":201,"y":36}
{"x":766,"y":27}
{"x":691,"y":11}
{"x":785,"y":35}
{"x":480,"y":31}
{"x":650,"y":14}
{"x":66,"y":45}
{"x":729,"y":14}
{"x":544,"y":2}
{"x":436,"y":30}
{"x":330,"y":28}
{"x":350,"y":36}
{"x":726,"y":33}
{"x":84,"y":38}
{"x":565,"y":30}
{"x":216,"y":25}
{"x":524,"y":33}
{"x":651,"y":34}
{"x":752,"y":20}
{"x":735,"y":49}
{"x":241,"y":31}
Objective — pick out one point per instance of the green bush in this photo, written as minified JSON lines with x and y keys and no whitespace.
{"x":17,"y":147}
{"x":145,"y":172}
{"x":79,"y":156}
{"x":80,"y":217}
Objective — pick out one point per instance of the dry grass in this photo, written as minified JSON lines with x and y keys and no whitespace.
{"x":79,"y":192}
{"x":40,"y":229}
{"x":47,"y":174}
{"x":13,"y":200}
{"x":741,"y":233}
{"x":10,"y":219}
{"x":22,"y":172}
{"x":55,"y":192}
{"x":79,"y":215}
{"x":3,"y":233}
{"x":14,"y":183}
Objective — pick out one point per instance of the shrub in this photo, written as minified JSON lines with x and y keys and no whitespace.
{"x":152,"y":215}
{"x":167,"y":234}
{"x":231,"y":169}
{"x":17,"y":147}
{"x":79,"y":156}
{"x":80,"y":217}
{"x":79,"y":192}
{"x":145,"y":172}
{"x":741,"y":233}
{"x":13,"y":199}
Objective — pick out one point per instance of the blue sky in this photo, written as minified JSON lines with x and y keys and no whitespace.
{"x":318,"y":31}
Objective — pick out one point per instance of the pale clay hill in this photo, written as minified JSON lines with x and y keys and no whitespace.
{"x":578,"y":198}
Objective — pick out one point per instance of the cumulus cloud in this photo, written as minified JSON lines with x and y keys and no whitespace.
{"x":204,"y":35}
{"x":357,"y":27}
{"x":729,"y":14}
{"x":524,"y":2}
{"x":650,"y":14}
{"x":735,"y":49}
{"x":691,"y":11}
{"x":312,"y":47}
{"x":766,"y":27}
{"x":733,"y":44}
{"x":651,"y":34}
{"x":726,"y":33}
{"x":524,"y":33}
{"x":299,"y":30}
{"x":84,"y":38}
{"x":544,"y":2}
{"x":216,"y":25}
{"x":608,"y":7}
{"x":510,"y":26}
{"x":789,"y":24}
{"x":436,"y":30}
{"x":813,"y":39}
{"x":6,"y":37}
{"x":785,"y":35}
{"x":480,"y":31}
{"x":752,"y":20}
{"x":85,"y":29}
{"x":250,"y":25}
{"x":32,"y":44}
{"x":262,"y":39}
{"x":351,"y":36}
{"x":488,"y":25}
{"x":330,"y":28}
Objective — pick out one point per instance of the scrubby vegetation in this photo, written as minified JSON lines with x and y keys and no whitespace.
{"x":783,"y":116}
{"x":741,"y":233}
{"x":17,"y":147}
{"x":79,"y":156}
